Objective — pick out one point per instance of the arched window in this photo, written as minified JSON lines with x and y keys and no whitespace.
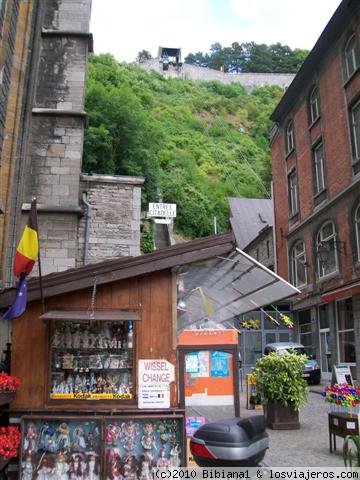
{"x":298,"y":264}
{"x":326,"y":241}
{"x":351,"y":56}
{"x":357,"y":231}
{"x":290,"y":141}
{"x":314,"y":105}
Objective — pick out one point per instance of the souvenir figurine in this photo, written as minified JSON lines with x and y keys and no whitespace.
{"x":63,"y":437}
{"x":79,"y":444}
{"x":85,"y":339}
{"x":162,"y":461}
{"x":28,"y":469}
{"x":174,"y":460}
{"x":93,"y":467}
{"x":76,"y":339}
{"x":147,"y":441}
{"x":30,"y":441}
{"x":45,"y":469}
{"x":56,"y":339}
{"x":61,"y":468}
{"x":68,"y":337}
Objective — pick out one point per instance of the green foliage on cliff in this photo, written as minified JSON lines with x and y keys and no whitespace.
{"x":196,"y":143}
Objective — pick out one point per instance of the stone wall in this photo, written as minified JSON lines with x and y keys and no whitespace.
{"x":192,"y":72}
{"x":114,"y":220}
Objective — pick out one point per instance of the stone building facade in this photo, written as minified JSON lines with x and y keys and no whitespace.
{"x":316,"y":171}
{"x":82,"y":218}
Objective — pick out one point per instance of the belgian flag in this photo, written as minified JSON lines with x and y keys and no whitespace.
{"x":28,"y":249}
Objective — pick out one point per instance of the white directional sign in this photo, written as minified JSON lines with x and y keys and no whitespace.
{"x":167,"y":210}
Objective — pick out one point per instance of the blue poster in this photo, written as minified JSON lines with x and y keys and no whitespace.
{"x":219,"y":364}
{"x":192,"y":364}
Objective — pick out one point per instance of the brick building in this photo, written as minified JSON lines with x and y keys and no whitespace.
{"x":316,"y":170}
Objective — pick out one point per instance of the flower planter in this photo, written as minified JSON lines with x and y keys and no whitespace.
{"x":6,"y":397}
{"x":279,"y":417}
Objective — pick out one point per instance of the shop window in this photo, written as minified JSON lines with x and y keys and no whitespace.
{"x":319,"y":168}
{"x":351,"y":56}
{"x":293,"y":193}
{"x":305,"y":331}
{"x":290,"y":140}
{"x":326,"y":238}
{"x":355,"y":130}
{"x":346,"y":334}
{"x":298,"y":264}
{"x":314,"y":105}
{"x":357,"y":232}
{"x":92,"y":360}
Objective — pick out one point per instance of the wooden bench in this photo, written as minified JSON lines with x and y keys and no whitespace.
{"x":341,"y":424}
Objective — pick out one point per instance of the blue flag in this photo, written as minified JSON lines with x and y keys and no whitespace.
{"x":19,"y":304}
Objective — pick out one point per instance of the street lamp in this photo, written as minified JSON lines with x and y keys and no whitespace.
{"x":323,"y":252}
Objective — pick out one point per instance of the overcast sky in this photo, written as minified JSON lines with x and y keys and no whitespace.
{"x":125,"y":27}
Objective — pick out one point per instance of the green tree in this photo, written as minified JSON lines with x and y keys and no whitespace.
{"x":143,"y":55}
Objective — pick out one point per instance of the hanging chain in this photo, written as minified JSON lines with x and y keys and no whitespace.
{"x":93,"y":298}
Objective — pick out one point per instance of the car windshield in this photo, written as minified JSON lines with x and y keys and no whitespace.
{"x":298,"y":350}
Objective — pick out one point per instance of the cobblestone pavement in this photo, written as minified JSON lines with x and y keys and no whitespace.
{"x":306,"y":447}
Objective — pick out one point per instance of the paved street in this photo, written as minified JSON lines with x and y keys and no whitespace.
{"x":306,"y":447}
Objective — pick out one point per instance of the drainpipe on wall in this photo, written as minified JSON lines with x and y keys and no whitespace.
{"x":87,"y":228}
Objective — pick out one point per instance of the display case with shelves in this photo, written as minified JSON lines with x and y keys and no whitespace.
{"x":92,"y":360}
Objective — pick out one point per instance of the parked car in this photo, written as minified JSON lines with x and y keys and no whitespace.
{"x":312,"y":372}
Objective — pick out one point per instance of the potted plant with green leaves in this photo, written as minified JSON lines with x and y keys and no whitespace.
{"x":279,"y":382}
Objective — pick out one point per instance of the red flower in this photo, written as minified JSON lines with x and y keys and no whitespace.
{"x":9,"y":383}
{"x":10,"y":438}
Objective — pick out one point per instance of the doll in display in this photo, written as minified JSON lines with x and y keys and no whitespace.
{"x":47,"y":439}
{"x":162,"y":461}
{"x":148,"y":439}
{"x":113,"y":432}
{"x":93,"y":467}
{"x":68,"y":337}
{"x":63,"y":437}
{"x":130,"y":468}
{"x":174,"y":460}
{"x":144,"y":472}
{"x":129,"y":432}
{"x":31,"y":439}
{"x":113,"y":464}
{"x":61,"y":467}
{"x":79,"y":444}
{"x":78,"y":467}
{"x":76,"y":340}
{"x":45,"y":469}
{"x":27,"y":470}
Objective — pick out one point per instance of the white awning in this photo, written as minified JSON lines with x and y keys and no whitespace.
{"x":221,"y":288}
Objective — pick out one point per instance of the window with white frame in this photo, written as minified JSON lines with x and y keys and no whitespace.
{"x":293,"y":193}
{"x":326,"y":238}
{"x":314,"y":105}
{"x":345,"y":333}
{"x":355,"y":129}
{"x":290,"y":141}
{"x":298,"y":264}
{"x":351,"y":56}
{"x":357,"y":231}
{"x":319,"y":168}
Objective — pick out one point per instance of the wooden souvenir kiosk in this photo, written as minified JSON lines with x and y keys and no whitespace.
{"x":98,"y":364}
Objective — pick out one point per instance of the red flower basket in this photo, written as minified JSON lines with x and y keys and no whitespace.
{"x":8,"y":386}
{"x":10,"y":438}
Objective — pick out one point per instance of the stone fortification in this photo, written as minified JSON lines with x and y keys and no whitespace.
{"x":192,"y":72}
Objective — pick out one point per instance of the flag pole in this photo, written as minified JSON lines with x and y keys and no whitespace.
{"x":39,"y":264}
